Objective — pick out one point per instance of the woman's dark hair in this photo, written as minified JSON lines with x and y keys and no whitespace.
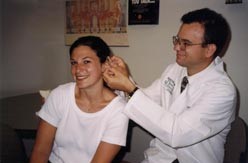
{"x":217,"y":30}
{"x":95,"y":43}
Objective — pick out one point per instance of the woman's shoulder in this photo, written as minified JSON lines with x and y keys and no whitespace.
{"x":62,"y":91}
{"x":117,"y":104}
{"x":64,"y":88}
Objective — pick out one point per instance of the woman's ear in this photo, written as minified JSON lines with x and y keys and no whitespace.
{"x":104,"y":66}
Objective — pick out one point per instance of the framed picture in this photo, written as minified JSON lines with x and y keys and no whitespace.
{"x":104,"y":18}
{"x":143,"y":12}
{"x":233,"y":1}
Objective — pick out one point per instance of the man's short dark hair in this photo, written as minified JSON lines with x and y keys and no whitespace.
{"x":217,"y":30}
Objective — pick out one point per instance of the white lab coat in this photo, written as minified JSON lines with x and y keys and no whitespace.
{"x":191,"y":126}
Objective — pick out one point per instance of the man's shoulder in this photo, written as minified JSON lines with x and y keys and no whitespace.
{"x":174,"y":67}
{"x":174,"y":70}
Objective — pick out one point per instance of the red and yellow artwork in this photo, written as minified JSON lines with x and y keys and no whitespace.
{"x":106,"y":18}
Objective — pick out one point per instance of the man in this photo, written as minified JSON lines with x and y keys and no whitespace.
{"x":189,"y":109}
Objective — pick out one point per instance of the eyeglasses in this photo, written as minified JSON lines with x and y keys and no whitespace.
{"x":184,"y":43}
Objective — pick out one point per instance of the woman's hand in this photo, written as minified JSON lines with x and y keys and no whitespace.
{"x":105,"y":153}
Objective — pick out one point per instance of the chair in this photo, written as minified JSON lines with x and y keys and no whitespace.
{"x":12,"y":149}
{"x":236,"y":143}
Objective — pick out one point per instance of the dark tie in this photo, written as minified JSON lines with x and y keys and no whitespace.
{"x":175,"y":161}
{"x":184,"y":83}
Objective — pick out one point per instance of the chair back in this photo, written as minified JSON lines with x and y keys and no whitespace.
{"x":236,"y":142}
{"x":12,"y":149}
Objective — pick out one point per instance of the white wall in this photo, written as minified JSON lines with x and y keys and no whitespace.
{"x":35,"y":57}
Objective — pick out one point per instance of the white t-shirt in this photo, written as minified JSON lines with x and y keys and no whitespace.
{"x":191,"y":126}
{"x":78,"y":133}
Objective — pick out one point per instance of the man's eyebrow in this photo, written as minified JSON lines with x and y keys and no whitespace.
{"x":185,"y":40}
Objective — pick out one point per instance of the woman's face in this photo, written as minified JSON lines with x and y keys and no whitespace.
{"x":86,"y":68}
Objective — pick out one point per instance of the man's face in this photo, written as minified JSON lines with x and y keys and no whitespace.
{"x":190,"y":52}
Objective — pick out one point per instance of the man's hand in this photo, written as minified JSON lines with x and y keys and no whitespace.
{"x":119,"y":64}
{"x":116,"y":75}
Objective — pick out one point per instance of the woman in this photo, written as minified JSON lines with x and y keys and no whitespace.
{"x":82,"y":121}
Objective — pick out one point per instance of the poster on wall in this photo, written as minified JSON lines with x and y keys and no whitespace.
{"x":104,"y":18}
{"x":143,"y":12}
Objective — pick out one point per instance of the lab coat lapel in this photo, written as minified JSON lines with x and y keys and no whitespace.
{"x":180,"y":103}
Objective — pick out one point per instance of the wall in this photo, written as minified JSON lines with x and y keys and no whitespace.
{"x":34,"y":55}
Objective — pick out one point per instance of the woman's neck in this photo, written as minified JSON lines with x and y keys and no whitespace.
{"x":93,"y":100}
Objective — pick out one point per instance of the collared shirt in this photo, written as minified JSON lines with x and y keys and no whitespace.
{"x":191,"y":126}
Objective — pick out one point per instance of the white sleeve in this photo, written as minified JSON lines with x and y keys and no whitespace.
{"x":212,"y":111}
{"x":154,"y":91}
{"x":52,"y":109}
{"x":116,"y":131}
